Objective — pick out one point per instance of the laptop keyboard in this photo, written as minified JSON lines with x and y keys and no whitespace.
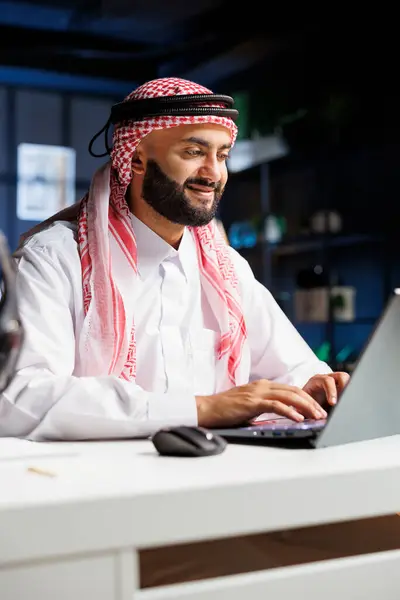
{"x":286,"y":424}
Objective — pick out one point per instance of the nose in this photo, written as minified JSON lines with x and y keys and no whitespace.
{"x":210,"y":169}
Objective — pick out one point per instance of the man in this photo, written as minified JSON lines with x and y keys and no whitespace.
{"x":137,"y":313}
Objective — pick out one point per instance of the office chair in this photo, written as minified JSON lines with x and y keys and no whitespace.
{"x":11,"y":330}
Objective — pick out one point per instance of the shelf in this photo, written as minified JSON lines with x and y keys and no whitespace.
{"x":303,"y":244}
{"x":358,"y":321}
{"x":308,"y":244}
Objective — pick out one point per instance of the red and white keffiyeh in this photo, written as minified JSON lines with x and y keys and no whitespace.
{"x":108,"y":344}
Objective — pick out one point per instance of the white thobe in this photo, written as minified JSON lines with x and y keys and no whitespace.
{"x":176,"y":336}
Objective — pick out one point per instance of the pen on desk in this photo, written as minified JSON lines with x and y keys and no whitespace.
{"x":39,"y":471}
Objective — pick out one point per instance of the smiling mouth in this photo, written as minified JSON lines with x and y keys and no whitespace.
{"x":201,"y":190}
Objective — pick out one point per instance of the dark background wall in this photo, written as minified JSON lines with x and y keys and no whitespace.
{"x":67,"y":114}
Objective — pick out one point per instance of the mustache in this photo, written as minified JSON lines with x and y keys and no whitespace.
{"x":204,"y":182}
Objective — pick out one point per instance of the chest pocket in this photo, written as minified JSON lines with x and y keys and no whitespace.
{"x":203,"y":350}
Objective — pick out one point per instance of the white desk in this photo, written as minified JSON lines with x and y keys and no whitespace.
{"x":76,"y":535}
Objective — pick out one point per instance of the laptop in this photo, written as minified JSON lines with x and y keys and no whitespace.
{"x":368,"y":408}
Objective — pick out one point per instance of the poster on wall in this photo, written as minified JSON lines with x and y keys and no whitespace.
{"x":46,"y":180}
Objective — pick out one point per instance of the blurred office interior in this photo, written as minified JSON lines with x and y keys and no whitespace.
{"x":312,"y":198}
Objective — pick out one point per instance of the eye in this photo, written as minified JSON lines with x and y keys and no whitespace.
{"x":194,"y":152}
{"x":223,"y":156}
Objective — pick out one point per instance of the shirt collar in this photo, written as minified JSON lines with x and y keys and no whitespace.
{"x":152,"y":250}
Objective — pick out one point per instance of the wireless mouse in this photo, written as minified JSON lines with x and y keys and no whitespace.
{"x":188,"y":441}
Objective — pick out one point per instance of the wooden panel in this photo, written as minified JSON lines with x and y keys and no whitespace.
{"x":230,"y":556}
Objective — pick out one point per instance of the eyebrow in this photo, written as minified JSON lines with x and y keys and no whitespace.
{"x":204,"y":143}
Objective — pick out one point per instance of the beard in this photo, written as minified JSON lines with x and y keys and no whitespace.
{"x":168,"y":198}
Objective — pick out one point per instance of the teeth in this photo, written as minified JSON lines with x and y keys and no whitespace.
{"x":199,"y":189}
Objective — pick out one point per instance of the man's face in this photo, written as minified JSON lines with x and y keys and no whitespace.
{"x":186,"y":172}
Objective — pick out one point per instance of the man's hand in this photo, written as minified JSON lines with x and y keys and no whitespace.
{"x":246,"y":402}
{"x":326,"y":388}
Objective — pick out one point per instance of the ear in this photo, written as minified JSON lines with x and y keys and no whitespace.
{"x":138,"y":166}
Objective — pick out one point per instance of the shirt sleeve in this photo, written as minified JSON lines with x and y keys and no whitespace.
{"x":45,"y":400}
{"x":278,"y":351}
